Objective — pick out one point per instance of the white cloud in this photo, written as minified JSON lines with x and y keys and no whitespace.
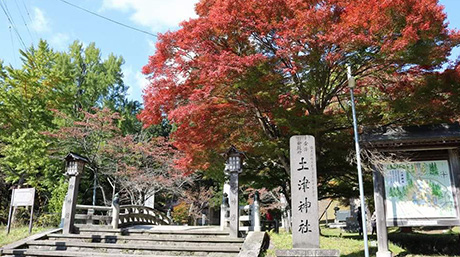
{"x":60,"y":41}
{"x":142,"y":81}
{"x":136,"y":81}
{"x":158,"y":15}
{"x":152,"y":46}
{"x":40,"y":23}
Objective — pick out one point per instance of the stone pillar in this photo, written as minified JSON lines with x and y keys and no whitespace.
{"x":115,"y":211}
{"x":75,"y":166}
{"x":203,"y":219}
{"x":305,"y":224}
{"x":223,"y":217}
{"x":63,"y":211}
{"x":284,"y":213}
{"x":379,"y":199}
{"x":233,"y":167}
{"x":256,"y":213}
{"x":71,"y":203}
{"x":304,"y":200}
{"x":224,"y":211}
{"x":234,"y":204}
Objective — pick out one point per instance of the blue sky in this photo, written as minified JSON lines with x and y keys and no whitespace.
{"x":60,"y":24}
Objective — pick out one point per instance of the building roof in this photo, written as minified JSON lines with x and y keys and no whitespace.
{"x":429,"y":136}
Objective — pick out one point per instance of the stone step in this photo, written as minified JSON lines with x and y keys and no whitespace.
{"x":83,"y":246}
{"x":176,"y":241}
{"x":154,"y":232}
{"x":30,"y":252}
{"x":109,"y":238}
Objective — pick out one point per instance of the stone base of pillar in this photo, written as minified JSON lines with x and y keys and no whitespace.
{"x":308,"y":252}
{"x":384,"y":254}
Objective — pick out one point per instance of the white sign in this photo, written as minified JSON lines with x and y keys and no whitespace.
{"x":23,"y":197}
{"x":419,"y":190}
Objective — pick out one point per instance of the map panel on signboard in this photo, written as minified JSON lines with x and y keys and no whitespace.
{"x":419,"y":190}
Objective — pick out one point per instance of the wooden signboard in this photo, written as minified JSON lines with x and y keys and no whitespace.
{"x":22,"y":197}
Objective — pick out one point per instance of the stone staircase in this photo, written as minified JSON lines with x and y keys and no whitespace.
{"x":99,"y":242}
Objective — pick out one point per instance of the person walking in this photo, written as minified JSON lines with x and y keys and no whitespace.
{"x":360,"y":221}
{"x":374,"y":223}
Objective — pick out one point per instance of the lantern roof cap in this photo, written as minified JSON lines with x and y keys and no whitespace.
{"x":233,"y":151}
{"x":75,"y":157}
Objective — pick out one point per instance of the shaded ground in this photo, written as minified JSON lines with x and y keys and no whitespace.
{"x":418,"y":243}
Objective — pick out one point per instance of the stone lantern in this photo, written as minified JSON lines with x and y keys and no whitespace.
{"x":233,"y":167}
{"x":74,"y":169}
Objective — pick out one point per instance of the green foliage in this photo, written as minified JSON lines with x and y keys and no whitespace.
{"x":48,"y":220}
{"x":4,"y":199}
{"x":22,"y":217}
{"x":180,"y":213}
{"x":70,"y":82}
{"x":58,"y":194}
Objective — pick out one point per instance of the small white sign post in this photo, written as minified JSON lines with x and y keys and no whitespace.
{"x":22,"y":197}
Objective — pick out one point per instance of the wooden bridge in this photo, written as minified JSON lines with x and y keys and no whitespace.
{"x":128,"y":215}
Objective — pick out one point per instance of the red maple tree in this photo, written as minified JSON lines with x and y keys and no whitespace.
{"x":252,"y":73}
{"x":136,"y":165}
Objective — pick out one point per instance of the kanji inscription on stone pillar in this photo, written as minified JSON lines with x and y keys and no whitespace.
{"x":305,"y":225}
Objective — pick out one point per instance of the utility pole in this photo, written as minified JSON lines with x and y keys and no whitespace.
{"x":351,"y":85}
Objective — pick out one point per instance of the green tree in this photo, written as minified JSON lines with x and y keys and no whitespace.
{"x":71,"y":82}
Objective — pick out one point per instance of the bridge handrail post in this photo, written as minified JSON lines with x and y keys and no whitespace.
{"x":115,"y":211}
{"x":256,"y":213}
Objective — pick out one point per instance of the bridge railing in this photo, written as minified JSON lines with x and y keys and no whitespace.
{"x":249,"y":217}
{"x":141,"y":215}
{"x":122,"y":216}
{"x":93,"y":215}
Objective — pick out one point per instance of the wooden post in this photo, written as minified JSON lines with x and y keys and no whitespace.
{"x":455,"y":170}
{"x":31,"y":217}
{"x":379,"y":198}
{"x":10,"y":213}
